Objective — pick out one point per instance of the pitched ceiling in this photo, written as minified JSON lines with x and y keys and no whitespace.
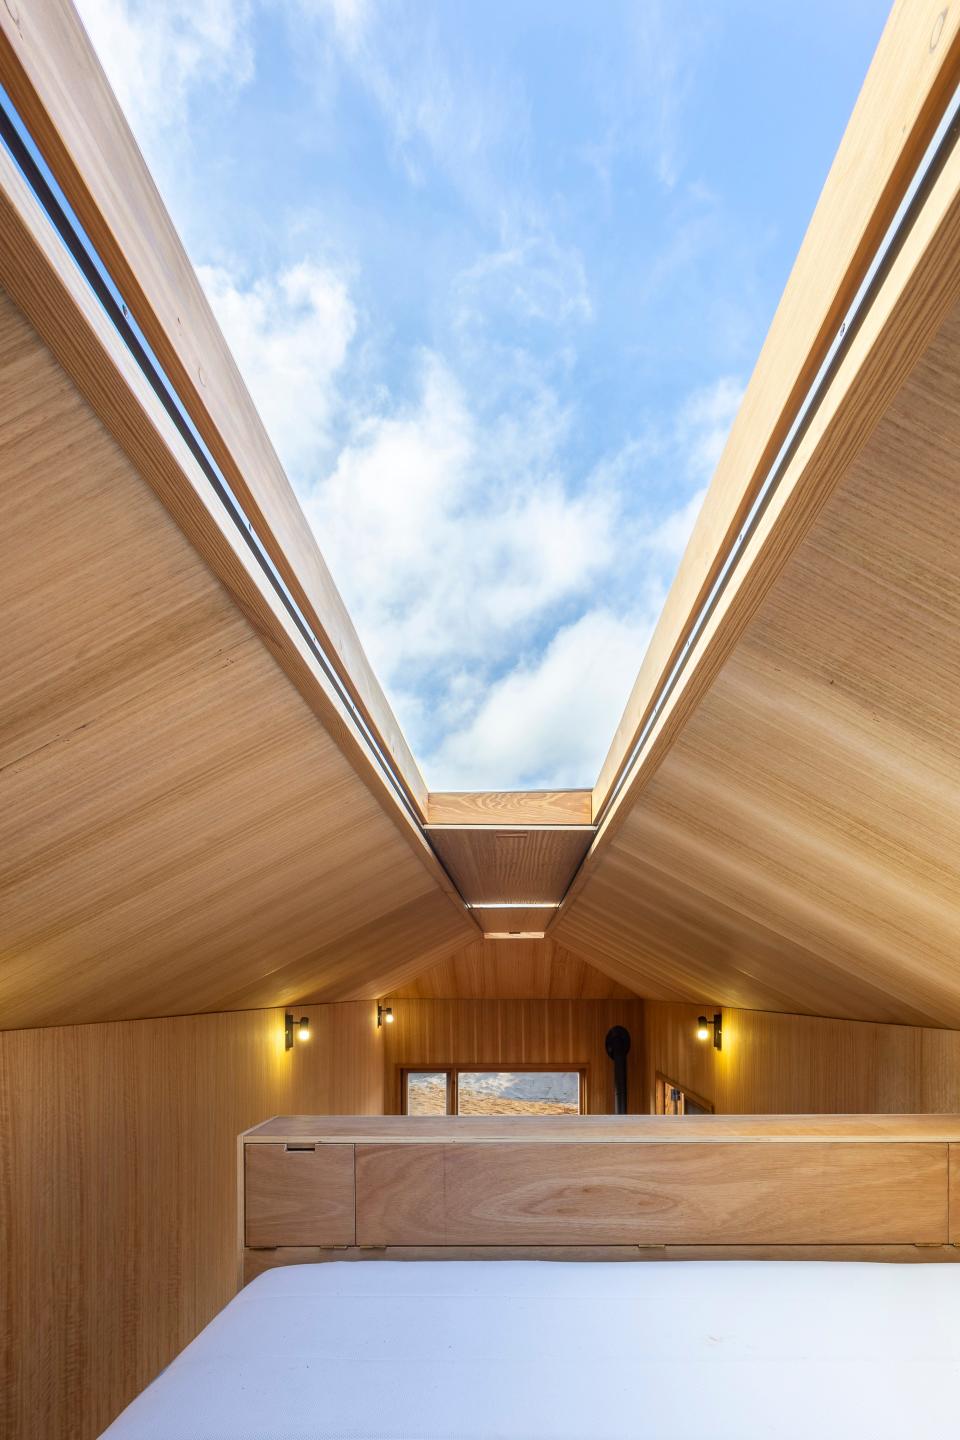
{"x":178,"y":830}
{"x":512,"y":970}
{"x":798,"y":848}
{"x":189,"y":816}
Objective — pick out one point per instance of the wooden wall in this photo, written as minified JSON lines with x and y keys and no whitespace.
{"x":118,"y":1190}
{"x":794,"y":1064}
{"x":512,"y":970}
{"x":514,"y":1032}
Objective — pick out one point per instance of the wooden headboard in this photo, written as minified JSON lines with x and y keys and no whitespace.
{"x":623,"y":1187}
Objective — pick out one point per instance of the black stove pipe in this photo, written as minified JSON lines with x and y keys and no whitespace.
{"x":618,"y":1043}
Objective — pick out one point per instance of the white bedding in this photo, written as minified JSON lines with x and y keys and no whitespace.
{"x":545,"y":1350}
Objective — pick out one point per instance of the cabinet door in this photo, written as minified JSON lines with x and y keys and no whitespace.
{"x":299,"y":1197}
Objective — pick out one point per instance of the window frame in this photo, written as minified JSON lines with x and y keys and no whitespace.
{"x":664,"y":1083}
{"x":453,"y":1071}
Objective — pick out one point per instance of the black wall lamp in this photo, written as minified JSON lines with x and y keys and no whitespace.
{"x":705,"y":1027}
{"x":384,"y":1015}
{"x":299,"y":1027}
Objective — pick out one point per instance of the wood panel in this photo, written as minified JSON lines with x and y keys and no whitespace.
{"x":514,"y":1032}
{"x":512,"y":970}
{"x":490,"y":865}
{"x":118,"y":1191}
{"x":605,"y":1129}
{"x":509,"y":807}
{"x":299,"y":1196}
{"x":256,"y":1262}
{"x":954,"y":1203}
{"x":49,"y":67}
{"x":157,"y":762}
{"x":912,"y":75}
{"x":606,"y":1194}
{"x":515,"y":920}
{"x":798,"y":846}
{"x":781,"y":1064}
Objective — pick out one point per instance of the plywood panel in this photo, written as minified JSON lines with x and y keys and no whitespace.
{"x":798,"y":847}
{"x":783,"y":1064}
{"x":49,"y":67}
{"x":175,"y":823}
{"x":509,"y":807}
{"x":255,"y":1262}
{"x":517,"y":920}
{"x":781,"y":1193}
{"x":514,"y":1032}
{"x":512,"y":970}
{"x":118,"y":1230}
{"x":605,"y":1129}
{"x":299,"y":1196}
{"x":490,"y":865}
{"x":913,"y":73}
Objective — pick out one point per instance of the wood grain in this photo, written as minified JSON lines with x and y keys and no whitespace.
{"x":797,"y":847}
{"x":514,"y":1032}
{"x":781,"y":1064}
{"x":954,"y":1201}
{"x":299,"y":1196}
{"x":912,"y":75}
{"x":509,"y":807}
{"x":155,"y":761}
{"x":500,"y":921}
{"x":256,"y":1262}
{"x":118,"y":1191}
{"x":693,"y":1194}
{"x":489,"y":864}
{"x":49,"y":67}
{"x":763,"y":1130}
{"x":512,"y":970}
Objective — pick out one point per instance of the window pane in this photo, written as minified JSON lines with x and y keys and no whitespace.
{"x":515,"y":1092}
{"x":426,"y":1092}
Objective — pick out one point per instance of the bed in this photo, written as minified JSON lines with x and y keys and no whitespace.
{"x":519,"y":1350}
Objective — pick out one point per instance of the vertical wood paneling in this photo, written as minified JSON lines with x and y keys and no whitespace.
{"x":118,"y":1190}
{"x":515,"y":1032}
{"x":774,"y":1064}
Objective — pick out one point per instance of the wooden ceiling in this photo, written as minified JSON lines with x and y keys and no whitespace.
{"x":189,"y":817}
{"x":798,"y":848}
{"x":512,"y":970}
{"x":522,"y":865}
{"x":177,"y":830}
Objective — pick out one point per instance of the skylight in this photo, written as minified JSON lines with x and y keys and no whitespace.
{"x":496,"y":277}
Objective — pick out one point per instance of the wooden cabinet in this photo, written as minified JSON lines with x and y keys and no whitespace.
{"x":297,"y":1195}
{"x":786,"y":1193}
{"x":623,"y":1187}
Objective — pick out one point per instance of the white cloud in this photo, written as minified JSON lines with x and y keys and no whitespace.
{"x":157,"y":54}
{"x":440,"y":113}
{"x":704,"y":421}
{"x":488,"y":588}
{"x":531,"y":277}
{"x":289,"y":334}
{"x":452,"y":540}
{"x":549,"y":722}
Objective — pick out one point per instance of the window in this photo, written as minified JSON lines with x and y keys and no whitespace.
{"x":425,"y":1092}
{"x":673,"y":1099}
{"x":485,"y":1091}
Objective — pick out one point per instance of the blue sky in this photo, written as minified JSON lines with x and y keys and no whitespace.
{"x":496,"y":275}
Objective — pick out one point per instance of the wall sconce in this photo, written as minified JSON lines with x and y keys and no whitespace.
{"x":707,"y":1027}
{"x":290,"y":1026}
{"x":384,"y":1015}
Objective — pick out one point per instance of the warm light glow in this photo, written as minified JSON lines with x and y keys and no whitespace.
{"x":703,"y":1030}
{"x":388,"y":1015}
{"x":384,"y":1015}
{"x":303,"y":1029}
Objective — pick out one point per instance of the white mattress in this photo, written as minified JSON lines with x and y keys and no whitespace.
{"x":485,"y":1350}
